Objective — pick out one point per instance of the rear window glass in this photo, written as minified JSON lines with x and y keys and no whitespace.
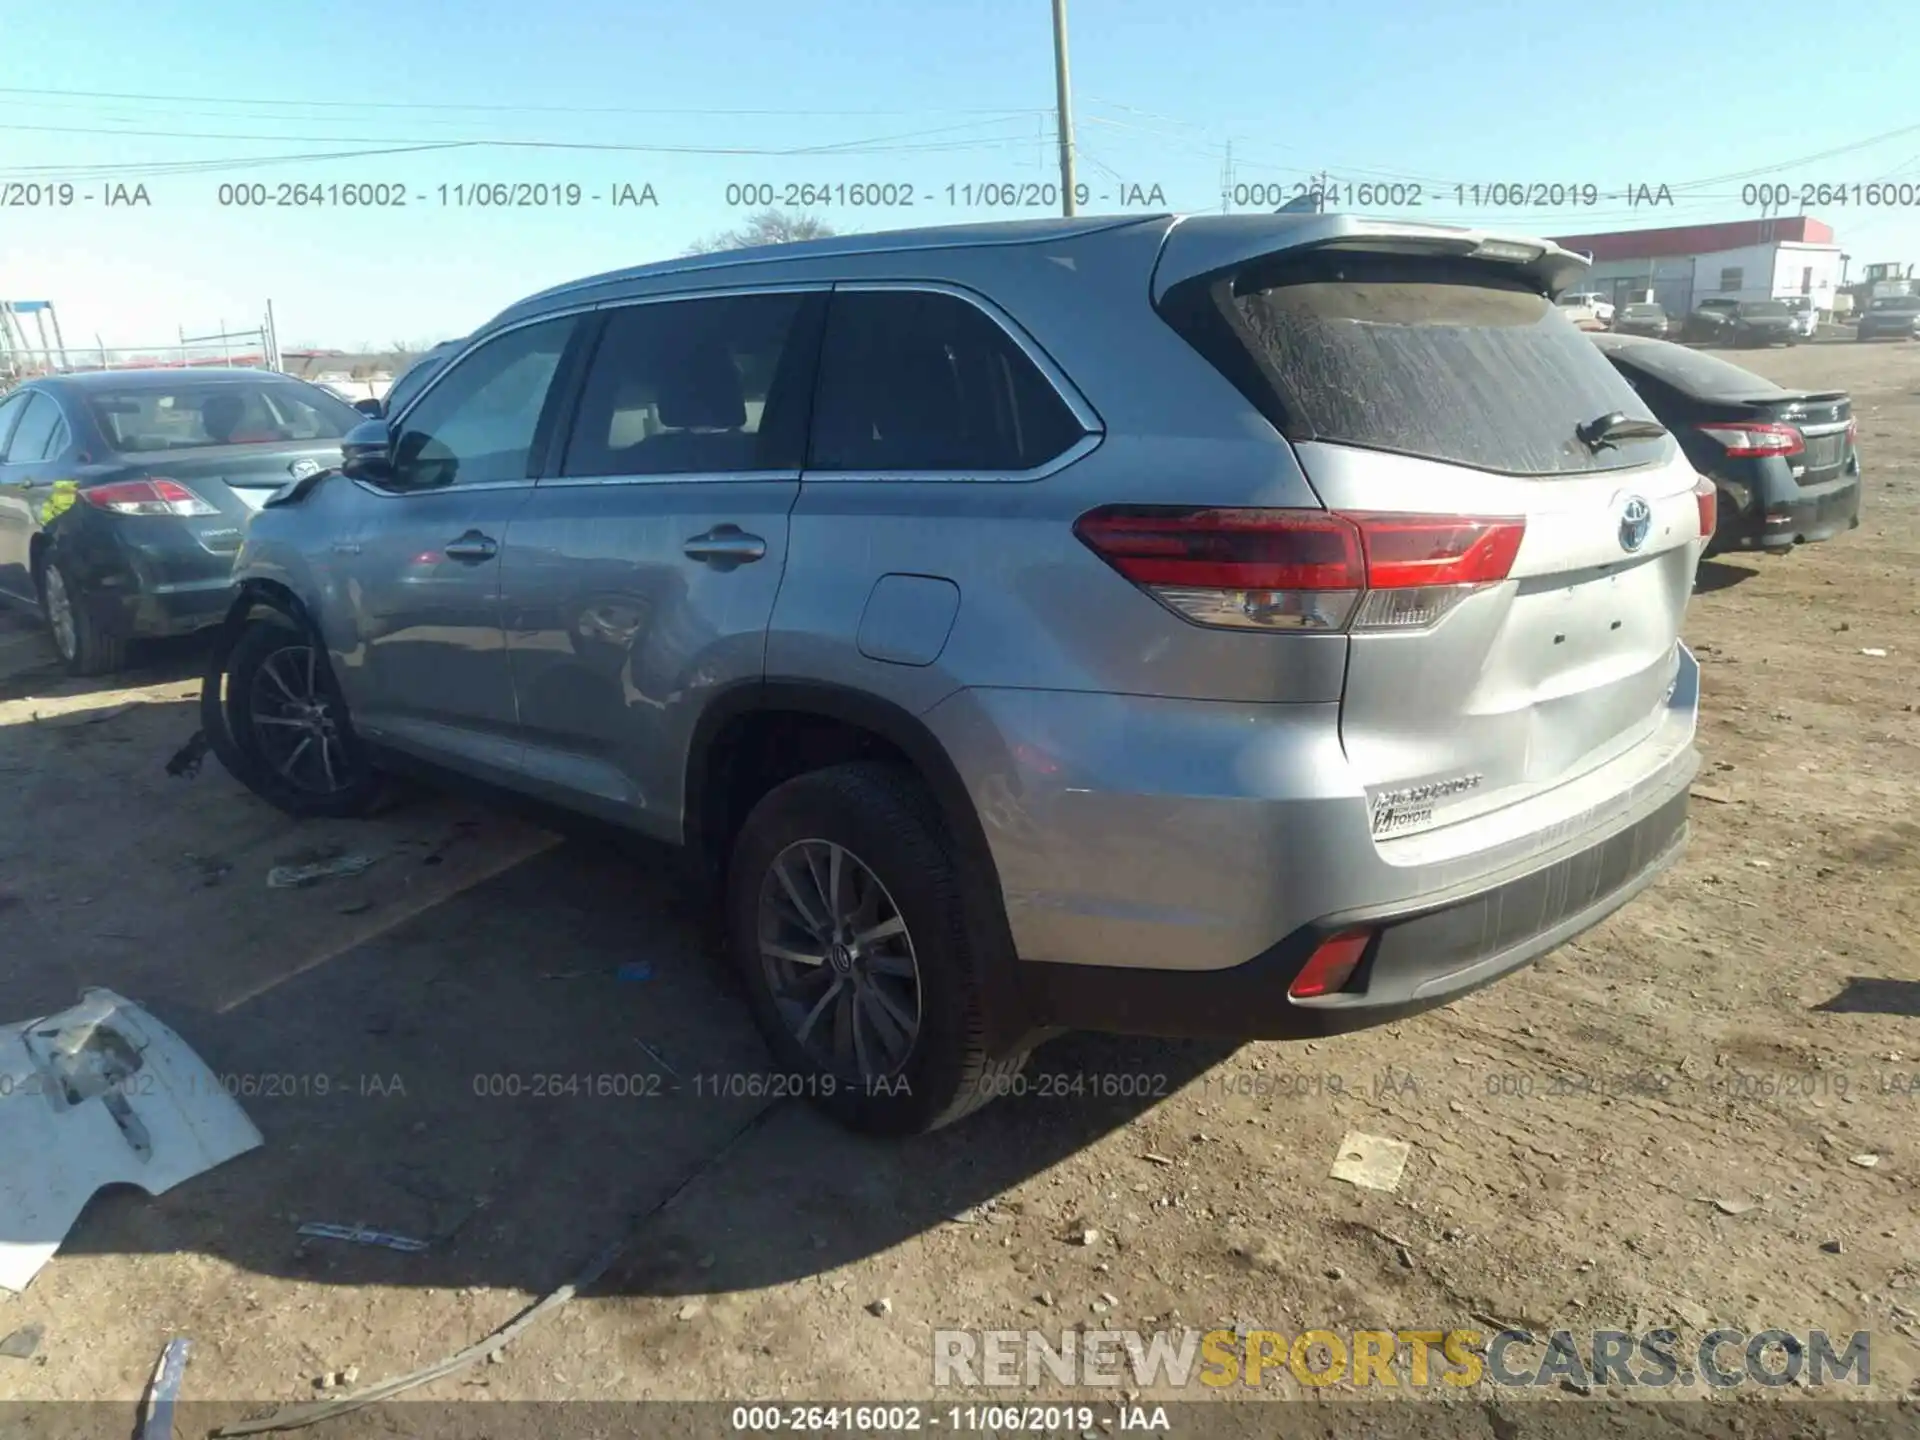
{"x":1764,"y":308}
{"x":147,"y":418}
{"x":1449,"y":360}
{"x":1694,"y":371}
{"x":1897,"y":302}
{"x":1644,"y":312}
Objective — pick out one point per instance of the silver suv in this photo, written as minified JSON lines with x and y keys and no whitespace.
{"x":1253,"y":626}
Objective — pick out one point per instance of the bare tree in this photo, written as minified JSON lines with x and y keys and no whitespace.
{"x":769,"y":227}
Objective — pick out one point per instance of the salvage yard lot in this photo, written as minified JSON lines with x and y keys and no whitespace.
{"x":1667,"y":1122}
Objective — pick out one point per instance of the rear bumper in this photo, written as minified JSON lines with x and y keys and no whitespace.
{"x":1772,"y":511}
{"x":1418,"y":959}
{"x":1168,"y":866}
{"x":147,"y":578}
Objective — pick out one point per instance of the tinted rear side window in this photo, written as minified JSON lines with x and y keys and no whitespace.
{"x":916,"y":380}
{"x":1443,"y":359}
{"x":33,"y":435}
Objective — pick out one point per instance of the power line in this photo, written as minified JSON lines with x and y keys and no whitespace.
{"x":419,"y":105}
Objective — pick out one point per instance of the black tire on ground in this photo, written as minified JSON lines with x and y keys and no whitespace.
{"x":882,"y":815}
{"x":279,"y":646}
{"x":93,"y":650}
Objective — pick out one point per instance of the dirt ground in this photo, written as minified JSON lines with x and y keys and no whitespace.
{"x":1667,"y":1122}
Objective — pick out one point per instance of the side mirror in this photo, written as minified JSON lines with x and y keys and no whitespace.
{"x":369,"y":406}
{"x":366,"y":452}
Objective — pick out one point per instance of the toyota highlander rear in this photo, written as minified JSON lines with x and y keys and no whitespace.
{"x":1489,"y":558}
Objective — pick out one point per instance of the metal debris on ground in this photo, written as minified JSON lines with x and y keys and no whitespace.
{"x":140,"y":1109}
{"x":156,"y":1414}
{"x":1373,"y":1162}
{"x":298,"y":877}
{"x":361,"y":1235}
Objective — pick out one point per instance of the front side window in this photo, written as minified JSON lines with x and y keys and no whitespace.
{"x":477,"y":426}
{"x":708,"y":386}
{"x":919,"y":380}
{"x":33,"y":436}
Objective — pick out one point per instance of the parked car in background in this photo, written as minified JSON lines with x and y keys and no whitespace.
{"x":124,"y":494}
{"x":1806,"y":319}
{"x":1588,"y":309}
{"x":1785,"y":462}
{"x":1890,"y":317}
{"x":1642,"y":318}
{"x":937,"y":607}
{"x":1740,"y":323}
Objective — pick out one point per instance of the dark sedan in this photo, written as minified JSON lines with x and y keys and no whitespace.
{"x":124,"y":494}
{"x":1642,"y":319}
{"x":1890,"y":317}
{"x":1784,"y":462}
{"x":1741,"y":322}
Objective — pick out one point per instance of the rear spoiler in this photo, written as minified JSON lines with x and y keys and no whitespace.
{"x":1207,"y":244}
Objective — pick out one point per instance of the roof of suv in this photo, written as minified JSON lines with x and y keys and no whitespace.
{"x":1193,"y":244}
{"x":929,"y":237}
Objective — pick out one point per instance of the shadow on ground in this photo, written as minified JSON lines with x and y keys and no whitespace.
{"x":513,"y":1074}
{"x":1719,"y":575}
{"x":1875,"y":995}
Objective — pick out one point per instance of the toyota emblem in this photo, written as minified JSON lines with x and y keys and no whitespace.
{"x":1636,"y":520}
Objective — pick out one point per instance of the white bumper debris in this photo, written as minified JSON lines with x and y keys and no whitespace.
{"x":100,"y":1094}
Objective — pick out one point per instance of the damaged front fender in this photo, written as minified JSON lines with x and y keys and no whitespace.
{"x":100,"y":1094}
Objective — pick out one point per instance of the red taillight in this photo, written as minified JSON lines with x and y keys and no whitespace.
{"x":1750,"y":440}
{"x":1707,"y":497}
{"x":1331,"y":965}
{"x":152,"y":496}
{"x":1404,"y":551}
{"x":1303,"y":569}
{"x":1218,"y":549}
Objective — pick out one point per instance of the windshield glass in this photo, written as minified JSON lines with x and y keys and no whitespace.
{"x":189,"y":415}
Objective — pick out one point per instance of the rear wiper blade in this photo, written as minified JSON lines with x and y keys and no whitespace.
{"x":1617,"y":425}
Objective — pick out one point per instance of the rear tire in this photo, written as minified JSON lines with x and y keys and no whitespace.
{"x":899,"y":900}
{"x":289,"y":738}
{"x":85,"y":647}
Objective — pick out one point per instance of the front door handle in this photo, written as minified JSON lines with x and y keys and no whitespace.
{"x":471,"y":546}
{"x":725,"y":545}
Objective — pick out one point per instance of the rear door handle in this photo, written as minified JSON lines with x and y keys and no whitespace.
{"x":725,"y":545}
{"x":471,"y":546}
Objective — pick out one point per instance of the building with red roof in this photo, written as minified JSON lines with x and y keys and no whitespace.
{"x":1786,"y":255}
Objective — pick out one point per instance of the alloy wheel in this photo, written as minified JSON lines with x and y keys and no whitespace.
{"x":839,"y":961}
{"x":296,"y":724}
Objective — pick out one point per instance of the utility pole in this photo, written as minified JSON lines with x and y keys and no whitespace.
{"x":1064,"y":98}
{"x":1226,"y":180}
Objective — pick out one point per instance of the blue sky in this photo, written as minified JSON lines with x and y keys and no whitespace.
{"x":194,"y":95}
